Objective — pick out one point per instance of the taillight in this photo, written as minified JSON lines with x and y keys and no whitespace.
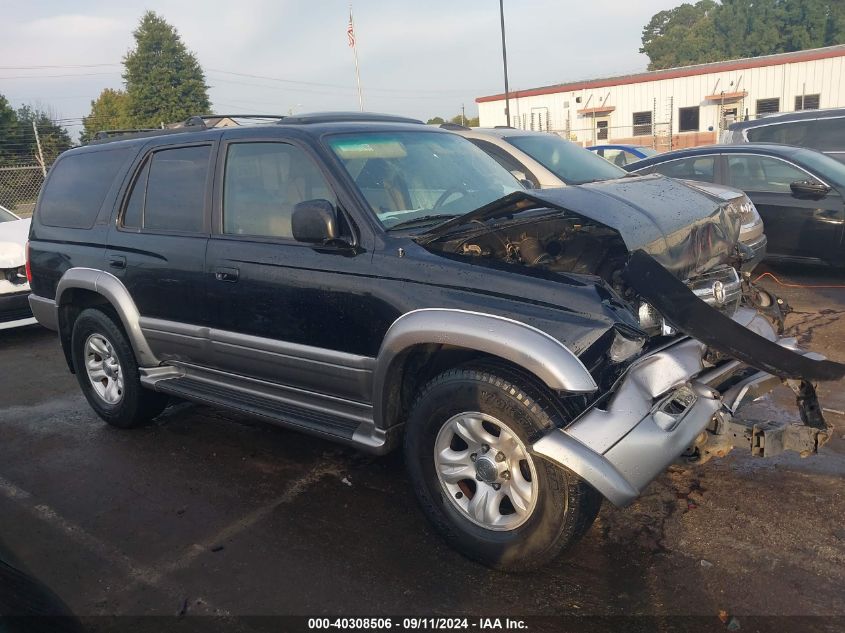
{"x":28,"y":267}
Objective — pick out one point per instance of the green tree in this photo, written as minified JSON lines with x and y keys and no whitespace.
{"x":457,"y":119}
{"x":707,"y":31}
{"x":164,"y":81}
{"x":680,"y":36}
{"x":109,"y":111}
{"x":8,"y":131}
{"x":53,"y":137}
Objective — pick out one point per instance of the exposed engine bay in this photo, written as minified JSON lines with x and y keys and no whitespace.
{"x":559,"y":244}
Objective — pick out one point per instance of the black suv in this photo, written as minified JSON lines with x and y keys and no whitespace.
{"x":380,"y":283}
{"x":822,"y":130}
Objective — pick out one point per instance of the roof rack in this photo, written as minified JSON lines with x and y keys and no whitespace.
{"x":503,"y":127}
{"x":345,"y":117}
{"x":197,"y":123}
{"x":453,"y":126}
{"x":106,"y":134}
{"x":200,"y":119}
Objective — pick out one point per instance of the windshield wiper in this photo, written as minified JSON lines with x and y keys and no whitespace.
{"x":514,"y":202}
{"x":426,"y":219}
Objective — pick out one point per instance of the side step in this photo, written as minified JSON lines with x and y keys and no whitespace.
{"x":273,"y":409}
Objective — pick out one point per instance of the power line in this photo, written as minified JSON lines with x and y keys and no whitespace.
{"x":56,"y":66}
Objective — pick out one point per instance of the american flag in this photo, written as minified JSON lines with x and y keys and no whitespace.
{"x":350,"y":30}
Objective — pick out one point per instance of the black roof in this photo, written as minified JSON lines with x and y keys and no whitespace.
{"x":783,"y":117}
{"x":319,"y":120}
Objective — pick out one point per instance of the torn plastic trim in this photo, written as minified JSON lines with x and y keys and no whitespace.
{"x":663,"y":405}
{"x":691,"y":315}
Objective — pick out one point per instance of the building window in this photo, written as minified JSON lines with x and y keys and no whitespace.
{"x":688,"y":119}
{"x":807,"y":102}
{"x":767,"y":106}
{"x":642,"y":123}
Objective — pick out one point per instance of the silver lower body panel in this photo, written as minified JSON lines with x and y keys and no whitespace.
{"x":662,"y":404}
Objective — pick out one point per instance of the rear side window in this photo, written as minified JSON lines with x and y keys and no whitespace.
{"x":169,"y":192}
{"x":701,"y":168}
{"x":77,"y":187}
{"x":822,"y":134}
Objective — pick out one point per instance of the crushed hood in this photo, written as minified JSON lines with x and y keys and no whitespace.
{"x":686,"y":230}
{"x":13,"y":236}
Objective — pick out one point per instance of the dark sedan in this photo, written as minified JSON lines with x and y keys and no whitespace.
{"x":798,"y":192}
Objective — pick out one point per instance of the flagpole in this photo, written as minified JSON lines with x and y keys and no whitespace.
{"x":351,"y":33}
{"x":358,"y":79}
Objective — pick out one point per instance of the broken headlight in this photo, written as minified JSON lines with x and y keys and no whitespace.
{"x":652,"y":321}
{"x":622,"y":348}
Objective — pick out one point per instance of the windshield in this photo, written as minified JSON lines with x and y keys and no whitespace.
{"x":6,"y":215}
{"x":647,"y":151}
{"x":420,"y":177}
{"x":574,"y":165}
{"x":828,"y":168}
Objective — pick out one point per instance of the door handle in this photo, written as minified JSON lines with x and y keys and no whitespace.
{"x":226,"y":274}
{"x":117,"y":261}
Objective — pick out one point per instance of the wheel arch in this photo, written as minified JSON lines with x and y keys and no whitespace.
{"x":422,"y":342}
{"x":81,"y":288}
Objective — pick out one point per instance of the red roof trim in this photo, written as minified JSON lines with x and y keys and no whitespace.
{"x":677,"y":73}
{"x":597,"y":110}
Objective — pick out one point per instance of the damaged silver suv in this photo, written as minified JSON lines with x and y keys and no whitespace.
{"x":380,"y":283}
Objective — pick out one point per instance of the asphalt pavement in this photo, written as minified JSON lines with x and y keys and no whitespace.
{"x":211,"y":513}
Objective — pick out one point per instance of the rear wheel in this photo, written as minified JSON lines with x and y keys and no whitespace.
{"x":466,"y":447}
{"x":108,"y":374}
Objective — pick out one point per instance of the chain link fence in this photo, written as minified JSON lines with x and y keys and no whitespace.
{"x":19,"y":187}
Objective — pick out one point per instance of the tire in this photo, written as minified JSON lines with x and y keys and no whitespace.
{"x":553,"y":517}
{"x":118,"y":398}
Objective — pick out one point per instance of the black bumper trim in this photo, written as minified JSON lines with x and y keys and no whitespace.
{"x":695,"y":318}
{"x":14,"y":307}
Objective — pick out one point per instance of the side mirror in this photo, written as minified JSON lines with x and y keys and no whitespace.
{"x":314,"y":222}
{"x":807,"y":189}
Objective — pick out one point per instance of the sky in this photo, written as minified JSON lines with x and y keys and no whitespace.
{"x":419,"y":59}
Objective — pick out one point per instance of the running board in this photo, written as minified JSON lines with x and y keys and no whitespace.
{"x":331,"y":418}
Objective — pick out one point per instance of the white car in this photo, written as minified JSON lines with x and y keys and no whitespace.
{"x":14,"y":288}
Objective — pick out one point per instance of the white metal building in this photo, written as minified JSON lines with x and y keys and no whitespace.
{"x":677,"y":107}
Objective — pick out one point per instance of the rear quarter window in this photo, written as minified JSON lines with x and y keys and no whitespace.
{"x":77,"y":186}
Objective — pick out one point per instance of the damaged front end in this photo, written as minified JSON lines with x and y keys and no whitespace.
{"x":709,"y":341}
{"x":683,"y":399}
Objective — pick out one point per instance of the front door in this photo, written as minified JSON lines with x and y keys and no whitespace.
{"x":795,"y":226}
{"x":285,"y":311}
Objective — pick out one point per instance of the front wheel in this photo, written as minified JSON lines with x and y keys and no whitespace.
{"x":466,"y":447}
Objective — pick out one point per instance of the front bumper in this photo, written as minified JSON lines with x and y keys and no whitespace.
{"x":15,"y":310}
{"x":757,"y":252}
{"x":665,"y":403}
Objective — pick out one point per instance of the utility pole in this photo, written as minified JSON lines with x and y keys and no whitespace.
{"x":40,"y":153}
{"x":463,"y":115}
{"x":505,"y":63}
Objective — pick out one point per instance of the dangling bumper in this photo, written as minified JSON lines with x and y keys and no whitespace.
{"x":669,"y":403}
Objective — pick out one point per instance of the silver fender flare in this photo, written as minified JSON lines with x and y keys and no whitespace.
{"x":113,"y":290}
{"x":521,"y":344}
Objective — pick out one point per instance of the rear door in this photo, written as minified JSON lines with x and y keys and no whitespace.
{"x":795,"y":226}
{"x":157,"y":246}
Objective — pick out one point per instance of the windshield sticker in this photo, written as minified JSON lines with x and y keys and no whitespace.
{"x":375,"y":148}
